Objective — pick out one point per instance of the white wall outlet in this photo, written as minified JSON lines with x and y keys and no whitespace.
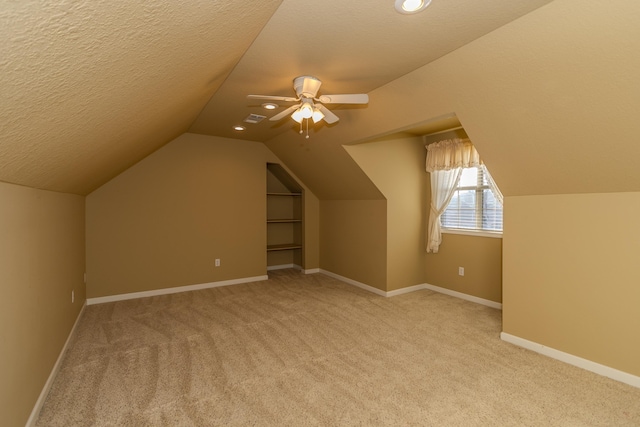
{"x":217,"y":262}
{"x":73,"y":296}
{"x":460,"y":271}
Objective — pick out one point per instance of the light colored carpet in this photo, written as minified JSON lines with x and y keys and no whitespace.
{"x":302,"y":350}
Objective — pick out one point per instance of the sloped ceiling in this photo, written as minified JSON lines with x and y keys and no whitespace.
{"x":351,"y":46}
{"x":547,"y":90}
{"x":549,"y":100}
{"x":91,"y":87}
{"x":552,"y":104}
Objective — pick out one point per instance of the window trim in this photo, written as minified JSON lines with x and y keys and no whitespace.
{"x":475,"y":233}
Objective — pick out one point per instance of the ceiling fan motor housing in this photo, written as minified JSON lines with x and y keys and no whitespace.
{"x":306,"y":86}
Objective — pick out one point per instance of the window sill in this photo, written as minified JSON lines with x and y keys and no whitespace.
{"x":477,"y":233}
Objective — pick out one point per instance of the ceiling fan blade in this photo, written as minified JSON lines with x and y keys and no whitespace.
{"x":273,"y":98}
{"x":329,"y":117}
{"x":351,"y":98}
{"x":284,"y":113}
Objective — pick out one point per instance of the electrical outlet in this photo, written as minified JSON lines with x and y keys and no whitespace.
{"x":73,"y":296}
{"x":217,"y":262}
{"x":460,"y":271}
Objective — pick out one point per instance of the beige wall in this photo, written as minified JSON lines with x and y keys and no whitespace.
{"x":42,"y":261}
{"x":353,"y":236}
{"x":571,"y":277}
{"x":396,"y":166}
{"x":481,"y":258}
{"x":163,"y":222}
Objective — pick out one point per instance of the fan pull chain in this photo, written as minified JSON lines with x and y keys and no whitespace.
{"x":307,"y":137}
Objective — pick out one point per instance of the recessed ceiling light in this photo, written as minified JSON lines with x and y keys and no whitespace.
{"x":269,"y":106}
{"x":239,"y":128}
{"x":411,"y":6}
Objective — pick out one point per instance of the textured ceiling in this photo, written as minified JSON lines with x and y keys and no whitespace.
{"x":91,"y":87}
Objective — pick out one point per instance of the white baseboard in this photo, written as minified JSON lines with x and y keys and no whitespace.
{"x":166,"y":291}
{"x":405,"y":290}
{"x":354,"y":283}
{"x":467,"y":297}
{"x":311,"y":271}
{"x":588,"y":365}
{"x":414,"y":288}
{"x":56,"y":367}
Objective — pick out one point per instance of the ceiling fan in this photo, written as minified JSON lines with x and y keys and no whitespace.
{"x":310,"y":105}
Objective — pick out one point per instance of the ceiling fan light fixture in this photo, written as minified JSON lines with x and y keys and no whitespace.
{"x":306,"y":110}
{"x":297,"y":115}
{"x":411,"y":6}
{"x":317,"y":115}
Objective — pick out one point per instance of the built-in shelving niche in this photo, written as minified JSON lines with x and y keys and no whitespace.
{"x":285,"y":237}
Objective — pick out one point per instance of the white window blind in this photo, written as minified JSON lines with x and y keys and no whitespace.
{"x":473,"y":205}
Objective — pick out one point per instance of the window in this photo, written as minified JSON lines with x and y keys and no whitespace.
{"x":473,"y":205}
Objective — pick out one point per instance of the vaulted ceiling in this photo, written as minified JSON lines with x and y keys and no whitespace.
{"x":91,"y":87}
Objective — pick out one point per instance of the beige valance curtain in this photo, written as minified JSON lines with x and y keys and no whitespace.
{"x":445,"y":161}
{"x":451,"y":154}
